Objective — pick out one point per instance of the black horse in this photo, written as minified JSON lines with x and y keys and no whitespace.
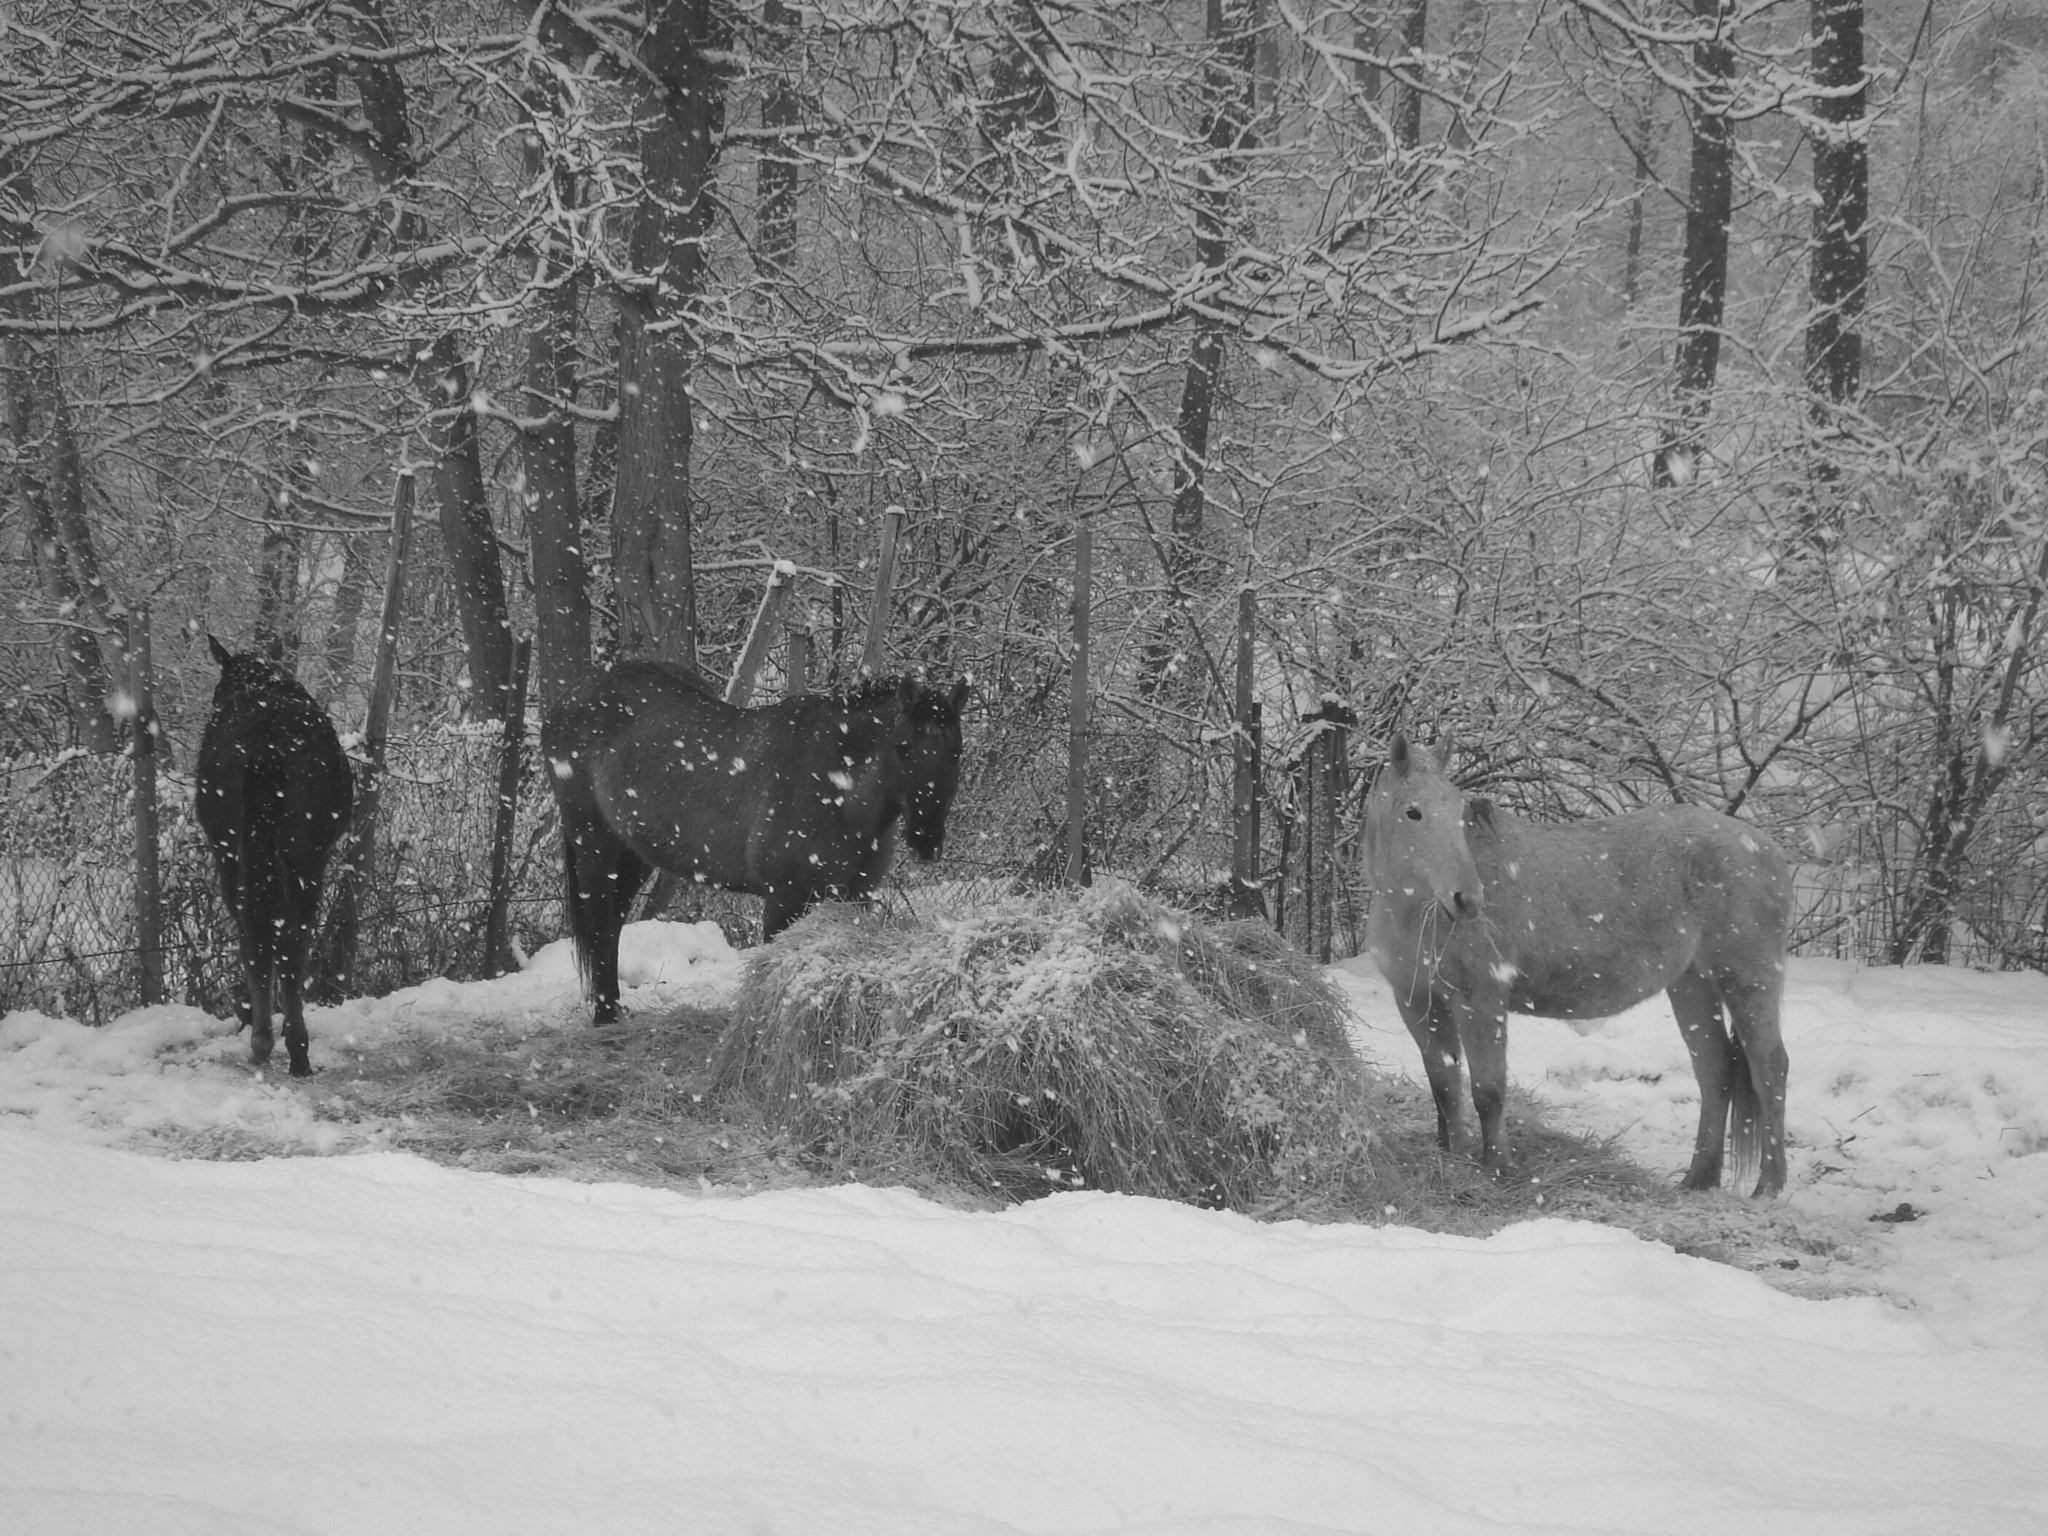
{"x":274,"y":792}
{"x":796,"y":802}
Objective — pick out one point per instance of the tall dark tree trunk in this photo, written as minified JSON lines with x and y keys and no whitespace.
{"x":1407,"y":118}
{"x":561,"y":574}
{"x":469,"y":541}
{"x":1703,"y":285}
{"x":1229,"y":85}
{"x":27,"y":385}
{"x":680,"y":112}
{"x":1840,"y":269}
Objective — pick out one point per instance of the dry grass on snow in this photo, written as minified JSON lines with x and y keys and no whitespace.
{"x":1096,"y":1039}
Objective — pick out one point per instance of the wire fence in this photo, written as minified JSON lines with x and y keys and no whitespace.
{"x":69,"y":940}
{"x":68,"y":930}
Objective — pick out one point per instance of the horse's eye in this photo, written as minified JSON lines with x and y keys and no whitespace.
{"x":1415,"y":813}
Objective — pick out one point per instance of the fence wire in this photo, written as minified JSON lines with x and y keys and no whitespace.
{"x":68,"y":934}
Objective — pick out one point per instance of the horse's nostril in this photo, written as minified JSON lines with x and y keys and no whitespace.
{"x":1463,"y":905}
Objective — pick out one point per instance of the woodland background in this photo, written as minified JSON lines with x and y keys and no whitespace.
{"x":1650,"y":393}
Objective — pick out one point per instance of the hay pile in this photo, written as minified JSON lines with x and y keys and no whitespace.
{"x":1095,"y":1038}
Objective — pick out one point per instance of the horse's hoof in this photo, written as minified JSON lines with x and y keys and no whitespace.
{"x":302,"y":1069}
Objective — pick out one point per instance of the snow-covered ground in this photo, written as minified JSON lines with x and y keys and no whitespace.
{"x":369,"y":1342}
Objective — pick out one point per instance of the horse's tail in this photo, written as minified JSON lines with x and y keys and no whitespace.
{"x":585,"y":901}
{"x":1745,"y":1124}
{"x":263,"y":869}
{"x":582,"y":931}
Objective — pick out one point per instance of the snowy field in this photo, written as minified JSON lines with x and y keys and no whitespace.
{"x":364,"y":1341}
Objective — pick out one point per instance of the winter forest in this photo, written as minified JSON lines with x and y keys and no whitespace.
{"x":1645,"y":392}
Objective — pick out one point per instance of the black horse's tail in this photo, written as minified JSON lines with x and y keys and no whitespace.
{"x":595,"y":895}
{"x":582,"y":925}
{"x":263,"y":872}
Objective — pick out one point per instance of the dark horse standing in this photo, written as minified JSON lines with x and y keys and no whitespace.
{"x":1476,"y":914}
{"x":274,"y":793}
{"x":796,"y":802}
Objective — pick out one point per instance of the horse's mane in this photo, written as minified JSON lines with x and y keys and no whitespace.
{"x":881,"y":693}
{"x":869,"y":691}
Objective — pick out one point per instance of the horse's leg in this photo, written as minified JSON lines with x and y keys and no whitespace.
{"x":1435,"y":1034}
{"x":1757,"y":1113}
{"x":259,"y":944}
{"x":230,"y":871}
{"x":609,"y":876}
{"x":1483,"y":1031}
{"x":1696,"y":1004}
{"x":780,"y":907}
{"x":302,"y":901}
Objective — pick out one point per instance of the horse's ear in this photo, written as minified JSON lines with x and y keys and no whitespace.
{"x":961,"y":687}
{"x":277,"y":648}
{"x":1443,"y":751}
{"x":220,"y":652}
{"x":1397,"y":754}
{"x":906,"y":690}
{"x":1479,"y":813}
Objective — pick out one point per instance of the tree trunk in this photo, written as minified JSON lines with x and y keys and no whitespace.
{"x":359,"y":848}
{"x":1407,"y":119}
{"x":351,"y":591}
{"x":680,"y":113}
{"x":498,"y":957}
{"x":1840,"y":269}
{"x":1228,"y":85}
{"x":468,"y":539}
{"x":80,"y":659}
{"x":561,"y":575}
{"x":1703,"y":285}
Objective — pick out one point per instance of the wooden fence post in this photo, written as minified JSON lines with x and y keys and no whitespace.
{"x":799,"y":644}
{"x":360,"y":847}
{"x":498,"y":958}
{"x":760,"y":634}
{"x":1078,"y":872}
{"x":1336,"y":745}
{"x":149,"y":921}
{"x":1246,"y":896}
{"x":874,"y":651}
{"x":1307,"y":797}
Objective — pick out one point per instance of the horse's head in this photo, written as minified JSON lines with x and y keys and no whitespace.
{"x":924,"y":761}
{"x":249,"y":672}
{"x":1415,"y":830}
